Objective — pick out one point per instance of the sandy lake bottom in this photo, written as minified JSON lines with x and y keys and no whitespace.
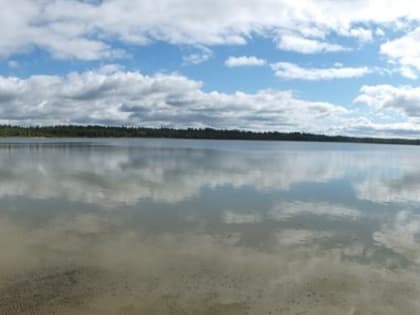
{"x":185,"y":227}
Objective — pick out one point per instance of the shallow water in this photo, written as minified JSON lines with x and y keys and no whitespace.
{"x":208,"y":227}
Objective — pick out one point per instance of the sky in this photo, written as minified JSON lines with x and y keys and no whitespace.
{"x":347,"y":67}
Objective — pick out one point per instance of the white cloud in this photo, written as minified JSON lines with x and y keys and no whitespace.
{"x":362,"y":34}
{"x":201,"y":55}
{"x":113,"y":96}
{"x":366,"y":127}
{"x":86,"y":29}
{"x":306,"y":46}
{"x":405,"y":99}
{"x":26,"y":24}
{"x":379,"y":32}
{"x":292,"y":71}
{"x":408,"y":72}
{"x":244,"y":61}
{"x":405,"y":51}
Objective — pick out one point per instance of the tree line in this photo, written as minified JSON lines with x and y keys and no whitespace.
{"x":95,"y":131}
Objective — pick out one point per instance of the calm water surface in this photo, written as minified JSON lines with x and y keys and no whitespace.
{"x":208,"y":227}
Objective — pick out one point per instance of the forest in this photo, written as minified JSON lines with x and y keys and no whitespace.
{"x":94,"y":131}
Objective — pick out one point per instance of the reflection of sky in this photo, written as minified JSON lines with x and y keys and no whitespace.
{"x":118,"y":174}
{"x":312,"y":209}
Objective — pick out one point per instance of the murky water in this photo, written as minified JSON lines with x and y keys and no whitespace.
{"x":208,"y":227}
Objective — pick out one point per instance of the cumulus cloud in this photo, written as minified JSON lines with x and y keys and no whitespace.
{"x":379,"y":32}
{"x":405,"y":99}
{"x":87,"y":29}
{"x":112,"y":96}
{"x":201,"y":55}
{"x":362,"y":34}
{"x":366,"y":127}
{"x":305,"y":45}
{"x":292,"y":71}
{"x":404,"y":51}
{"x":244,"y":61}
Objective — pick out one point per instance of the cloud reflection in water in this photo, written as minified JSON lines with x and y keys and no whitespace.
{"x":231,"y":230}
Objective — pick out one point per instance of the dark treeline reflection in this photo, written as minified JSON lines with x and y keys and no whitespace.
{"x":148,"y":226}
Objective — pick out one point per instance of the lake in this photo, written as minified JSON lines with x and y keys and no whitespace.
{"x":149,"y":226}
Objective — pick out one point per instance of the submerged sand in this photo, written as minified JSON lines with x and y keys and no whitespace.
{"x":185,"y":273}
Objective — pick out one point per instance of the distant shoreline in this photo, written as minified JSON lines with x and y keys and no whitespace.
{"x":93,"y":131}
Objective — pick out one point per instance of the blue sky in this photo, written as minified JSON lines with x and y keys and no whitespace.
{"x":343,"y":67}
